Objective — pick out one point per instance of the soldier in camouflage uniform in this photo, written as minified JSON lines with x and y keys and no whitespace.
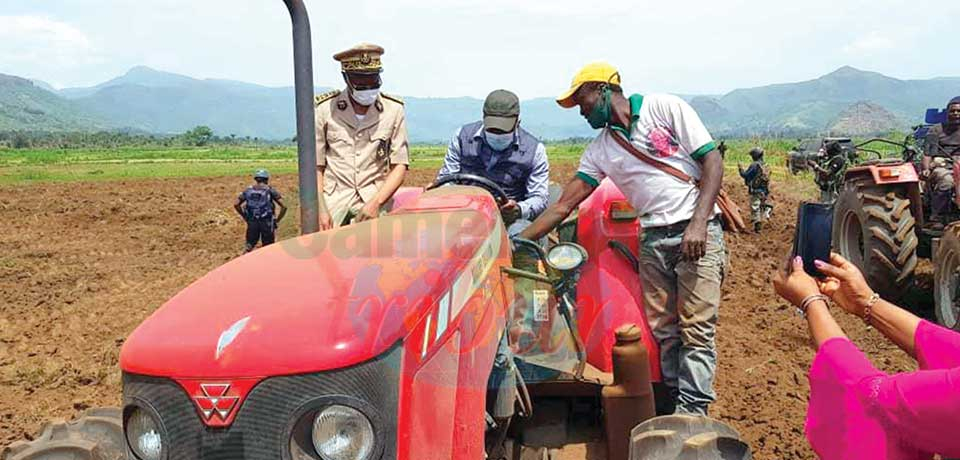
{"x":830,"y":169}
{"x":757,"y":179}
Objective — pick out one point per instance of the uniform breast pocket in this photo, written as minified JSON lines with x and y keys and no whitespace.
{"x":336,"y":138}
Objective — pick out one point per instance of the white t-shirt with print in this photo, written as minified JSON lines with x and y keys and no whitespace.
{"x":669,"y":130}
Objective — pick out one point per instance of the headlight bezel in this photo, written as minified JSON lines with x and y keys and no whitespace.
{"x":580,"y":250}
{"x":366,"y":429}
{"x":301,"y":443}
{"x":138,"y":404}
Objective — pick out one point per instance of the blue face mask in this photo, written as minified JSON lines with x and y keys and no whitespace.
{"x":498,"y":142}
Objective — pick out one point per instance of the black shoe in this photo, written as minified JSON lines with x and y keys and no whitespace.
{"x":757,"y":226}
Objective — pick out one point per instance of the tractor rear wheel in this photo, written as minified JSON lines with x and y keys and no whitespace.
{"x":676,"y":437}
{"x":946,"y":278}
{"x":95,"y":435}
{"x":874,"y":228}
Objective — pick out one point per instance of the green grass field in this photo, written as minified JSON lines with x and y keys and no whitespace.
{"x":29,"y":166}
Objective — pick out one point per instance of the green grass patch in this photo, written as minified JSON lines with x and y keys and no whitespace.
{"x":60,"y":165}
{"x":124,"y":155}
{"x":119,"y":171}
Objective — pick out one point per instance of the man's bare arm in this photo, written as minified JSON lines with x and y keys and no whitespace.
{"x":325,"y":221}
{"x":573,"y":194}
{"x":694,"y":244}
{"x":283,"y":209}
{"x":710,"y":184}
{"x":391,"y":184}
{"x":239,"y":207}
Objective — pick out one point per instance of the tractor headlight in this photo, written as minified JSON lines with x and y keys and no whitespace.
{"x":567,"y":256}
{"x":143,"y":435}
{"x":343,"y":433}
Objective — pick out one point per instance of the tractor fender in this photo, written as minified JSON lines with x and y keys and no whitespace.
{"x":608,"y":292}
{"x":608,"y":296}
{"x":893,"y":175}
{"x":884,"y":174}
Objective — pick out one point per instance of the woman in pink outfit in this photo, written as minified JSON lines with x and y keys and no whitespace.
{"x":857,"y":411}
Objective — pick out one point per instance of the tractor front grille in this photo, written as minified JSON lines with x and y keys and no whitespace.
{"x":263,"y":426}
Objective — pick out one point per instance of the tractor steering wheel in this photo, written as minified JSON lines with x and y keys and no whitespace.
{"x":472,"y":179}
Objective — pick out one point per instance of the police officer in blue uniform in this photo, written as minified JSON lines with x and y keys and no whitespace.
{"x":257,"y":205}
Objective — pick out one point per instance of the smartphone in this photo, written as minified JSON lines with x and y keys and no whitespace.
{"x":812,"y":238}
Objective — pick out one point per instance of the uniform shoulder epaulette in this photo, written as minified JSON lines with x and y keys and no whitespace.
{"x":320,"y":99}
{"x":393,"y":98}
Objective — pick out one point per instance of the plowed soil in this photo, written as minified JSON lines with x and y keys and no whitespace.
{"x":81,"y":265}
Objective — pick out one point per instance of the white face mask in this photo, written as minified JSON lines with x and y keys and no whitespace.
{"x":365,"y":97}
{"x":498,"y":142}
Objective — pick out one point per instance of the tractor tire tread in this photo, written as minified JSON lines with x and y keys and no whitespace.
{"x":949,"y":249}
{"x":889,"y":235}
{"x":96,"y":434}
{"x":679,"y":437}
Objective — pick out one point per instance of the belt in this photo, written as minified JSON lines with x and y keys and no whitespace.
{"x":679,"y":226}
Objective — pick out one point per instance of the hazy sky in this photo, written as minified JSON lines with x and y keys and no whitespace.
{"x":468,"y":47}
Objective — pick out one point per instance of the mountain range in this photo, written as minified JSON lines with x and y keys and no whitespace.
{"x":816,"y":105}
{"x":846,"y":101}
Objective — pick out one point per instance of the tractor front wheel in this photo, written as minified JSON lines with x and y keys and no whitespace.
{"x":946,"y":279}
{"x":95,"y":435}
{"x":874,"y":229}
{"x":685,"y":436}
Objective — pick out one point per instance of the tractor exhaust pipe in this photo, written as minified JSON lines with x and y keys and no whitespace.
{"x":306,"y":134}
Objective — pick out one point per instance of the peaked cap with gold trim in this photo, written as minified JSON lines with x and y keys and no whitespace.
{"x":362,"y":58}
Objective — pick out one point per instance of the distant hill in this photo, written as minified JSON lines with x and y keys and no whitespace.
{"x":44,"y":85}
{"x":162,"y":102}
{"x":436,"y":119}
{"x":811,"y":106}
{"x":138,"y":76}
{"x":159,"y":102}
{"x":864,"y":119}
{"x":27,"y":106}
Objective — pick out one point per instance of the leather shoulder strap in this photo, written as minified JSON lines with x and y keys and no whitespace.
{"x":628,"y":146}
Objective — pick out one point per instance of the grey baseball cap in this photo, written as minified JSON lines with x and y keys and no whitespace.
{"x":501,"y":110}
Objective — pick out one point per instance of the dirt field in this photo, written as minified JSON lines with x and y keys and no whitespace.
{"x":83,"y":264}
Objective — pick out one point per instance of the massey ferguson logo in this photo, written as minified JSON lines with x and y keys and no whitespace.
{"x":218,"y":402}
{"x":215,"y":403}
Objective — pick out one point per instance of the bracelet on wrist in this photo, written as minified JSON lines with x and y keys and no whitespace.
{"x":810,"y":299}
{"x":868,"y":309}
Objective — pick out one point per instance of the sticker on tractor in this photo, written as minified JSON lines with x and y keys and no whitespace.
{"x":443,"y":315}
{"x":541,"y":307}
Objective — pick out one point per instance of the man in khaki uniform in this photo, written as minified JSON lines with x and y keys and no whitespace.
{"x":362,"y":153}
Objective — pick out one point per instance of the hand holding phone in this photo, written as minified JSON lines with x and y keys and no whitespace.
{"x":812,"y":239}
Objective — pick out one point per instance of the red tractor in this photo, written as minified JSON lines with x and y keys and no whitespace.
{"x":377,"y":341}
{"x":878,"y":218}
{"x":881,"y":224}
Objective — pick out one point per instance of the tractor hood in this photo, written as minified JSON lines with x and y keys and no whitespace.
{"x":317,"y":302}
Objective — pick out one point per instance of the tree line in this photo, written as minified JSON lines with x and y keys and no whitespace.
{"x":199,"y":136}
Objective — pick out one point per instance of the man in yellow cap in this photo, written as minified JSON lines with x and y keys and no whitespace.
{"x":362,"y":154}
{"x":683,"y":255}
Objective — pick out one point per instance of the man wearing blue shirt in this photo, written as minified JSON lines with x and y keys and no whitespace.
{"x":498,"y":149}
